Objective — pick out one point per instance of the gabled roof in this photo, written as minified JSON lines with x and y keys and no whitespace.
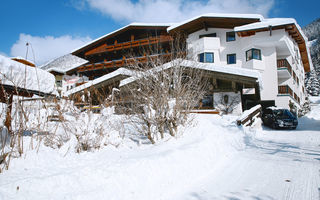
{"x":134,"y":25}
{"x":218,"y":20}
{"x":290,"y":25}
{"x":64,"y":64}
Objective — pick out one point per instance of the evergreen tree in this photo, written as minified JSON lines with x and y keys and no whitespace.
{"x":312,"y":83}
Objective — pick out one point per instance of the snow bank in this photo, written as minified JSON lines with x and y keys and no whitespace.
{"x":19,"y":75}
{"x":127,"y":172}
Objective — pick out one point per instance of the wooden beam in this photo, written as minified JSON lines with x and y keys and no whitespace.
{"x":205,"y":26}
{"x":8,"y":121}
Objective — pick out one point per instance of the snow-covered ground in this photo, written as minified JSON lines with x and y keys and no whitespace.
{"x":213,"y":159}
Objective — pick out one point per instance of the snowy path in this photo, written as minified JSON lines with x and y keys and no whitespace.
{"x":213,"y":160}
{"x":265,"y":170}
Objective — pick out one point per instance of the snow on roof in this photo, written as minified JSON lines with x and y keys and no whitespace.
{"x":197,"y":65}
{"x":275,"y":22}
{"x":266,"y":23}
{"x":122,"y":28}
{"x":218,"y":15}
{"x":118,"y":72}
{"x":64,"y":63}
{"x":19,"y":75}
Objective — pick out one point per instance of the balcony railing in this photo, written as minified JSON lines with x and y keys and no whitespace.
{"x":284,"y":64}
{"x":284,"y":89}
{"x":130,"y":44}
{"x":127,"y":61}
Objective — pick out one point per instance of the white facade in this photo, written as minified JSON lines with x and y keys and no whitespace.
{"x":275,"y":46}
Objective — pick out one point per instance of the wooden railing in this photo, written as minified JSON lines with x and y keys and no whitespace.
{"x":118,"y":63}
{"x":130,"y":44}
{"x":248,"y":116}
{"x":283,"y":63}
{"x":284,"y":89}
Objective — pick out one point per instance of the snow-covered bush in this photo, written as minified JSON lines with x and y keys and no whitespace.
{"x":305,"y":108}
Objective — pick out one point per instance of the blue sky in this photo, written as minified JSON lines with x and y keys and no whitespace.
{"x":55,"y":27}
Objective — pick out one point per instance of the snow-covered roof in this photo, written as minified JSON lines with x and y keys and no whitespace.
{"x":198,"y":65}
{"x":123,"y":28}
{"x":266,"y":23}
{"x":64,"y":63}
{"x":270,"y":22}
{"x":118,"y":72}
{"x":218,"y":15}
{"x":30,"y":78}
{"x":274,"y":22}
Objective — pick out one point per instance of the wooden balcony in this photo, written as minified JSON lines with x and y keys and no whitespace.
{"x":285,"y":89}
{"x":284,"y":68}
{"x":120,"y":63}
{"x":130,"y":44}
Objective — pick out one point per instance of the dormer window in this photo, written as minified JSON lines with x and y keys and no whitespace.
{"x":253,"y":54}
{"x":231,"y":36}
{"x":207,"y":57}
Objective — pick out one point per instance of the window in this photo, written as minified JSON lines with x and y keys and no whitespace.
{"x":206,"y":57}
{"x":231,"y":36}
{"x":253,"y":54}
{"x":208,"y":35}
{"x":207,"y":101}
{"x":231,"y":58}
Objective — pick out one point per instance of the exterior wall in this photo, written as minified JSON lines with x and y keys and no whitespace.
{"x":220,"y":54}
{"x":274,"y":46}
{"x":232,"y":97}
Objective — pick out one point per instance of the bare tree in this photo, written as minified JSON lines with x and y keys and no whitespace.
{"x":162,"y":92}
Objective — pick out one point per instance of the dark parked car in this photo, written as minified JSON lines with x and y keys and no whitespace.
{"x":279,"y":118}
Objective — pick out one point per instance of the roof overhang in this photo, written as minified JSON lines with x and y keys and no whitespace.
{"x":132,"y":26}
{"x":214,"y":20}
{"x":289,"y":25}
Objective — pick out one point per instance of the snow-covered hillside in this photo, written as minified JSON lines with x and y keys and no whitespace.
{"x":213,"y":159}
{"x":312,"y":31}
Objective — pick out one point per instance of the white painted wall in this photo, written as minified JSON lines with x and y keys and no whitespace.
{"x":276,"y":46}
{"x":237,"y":108}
